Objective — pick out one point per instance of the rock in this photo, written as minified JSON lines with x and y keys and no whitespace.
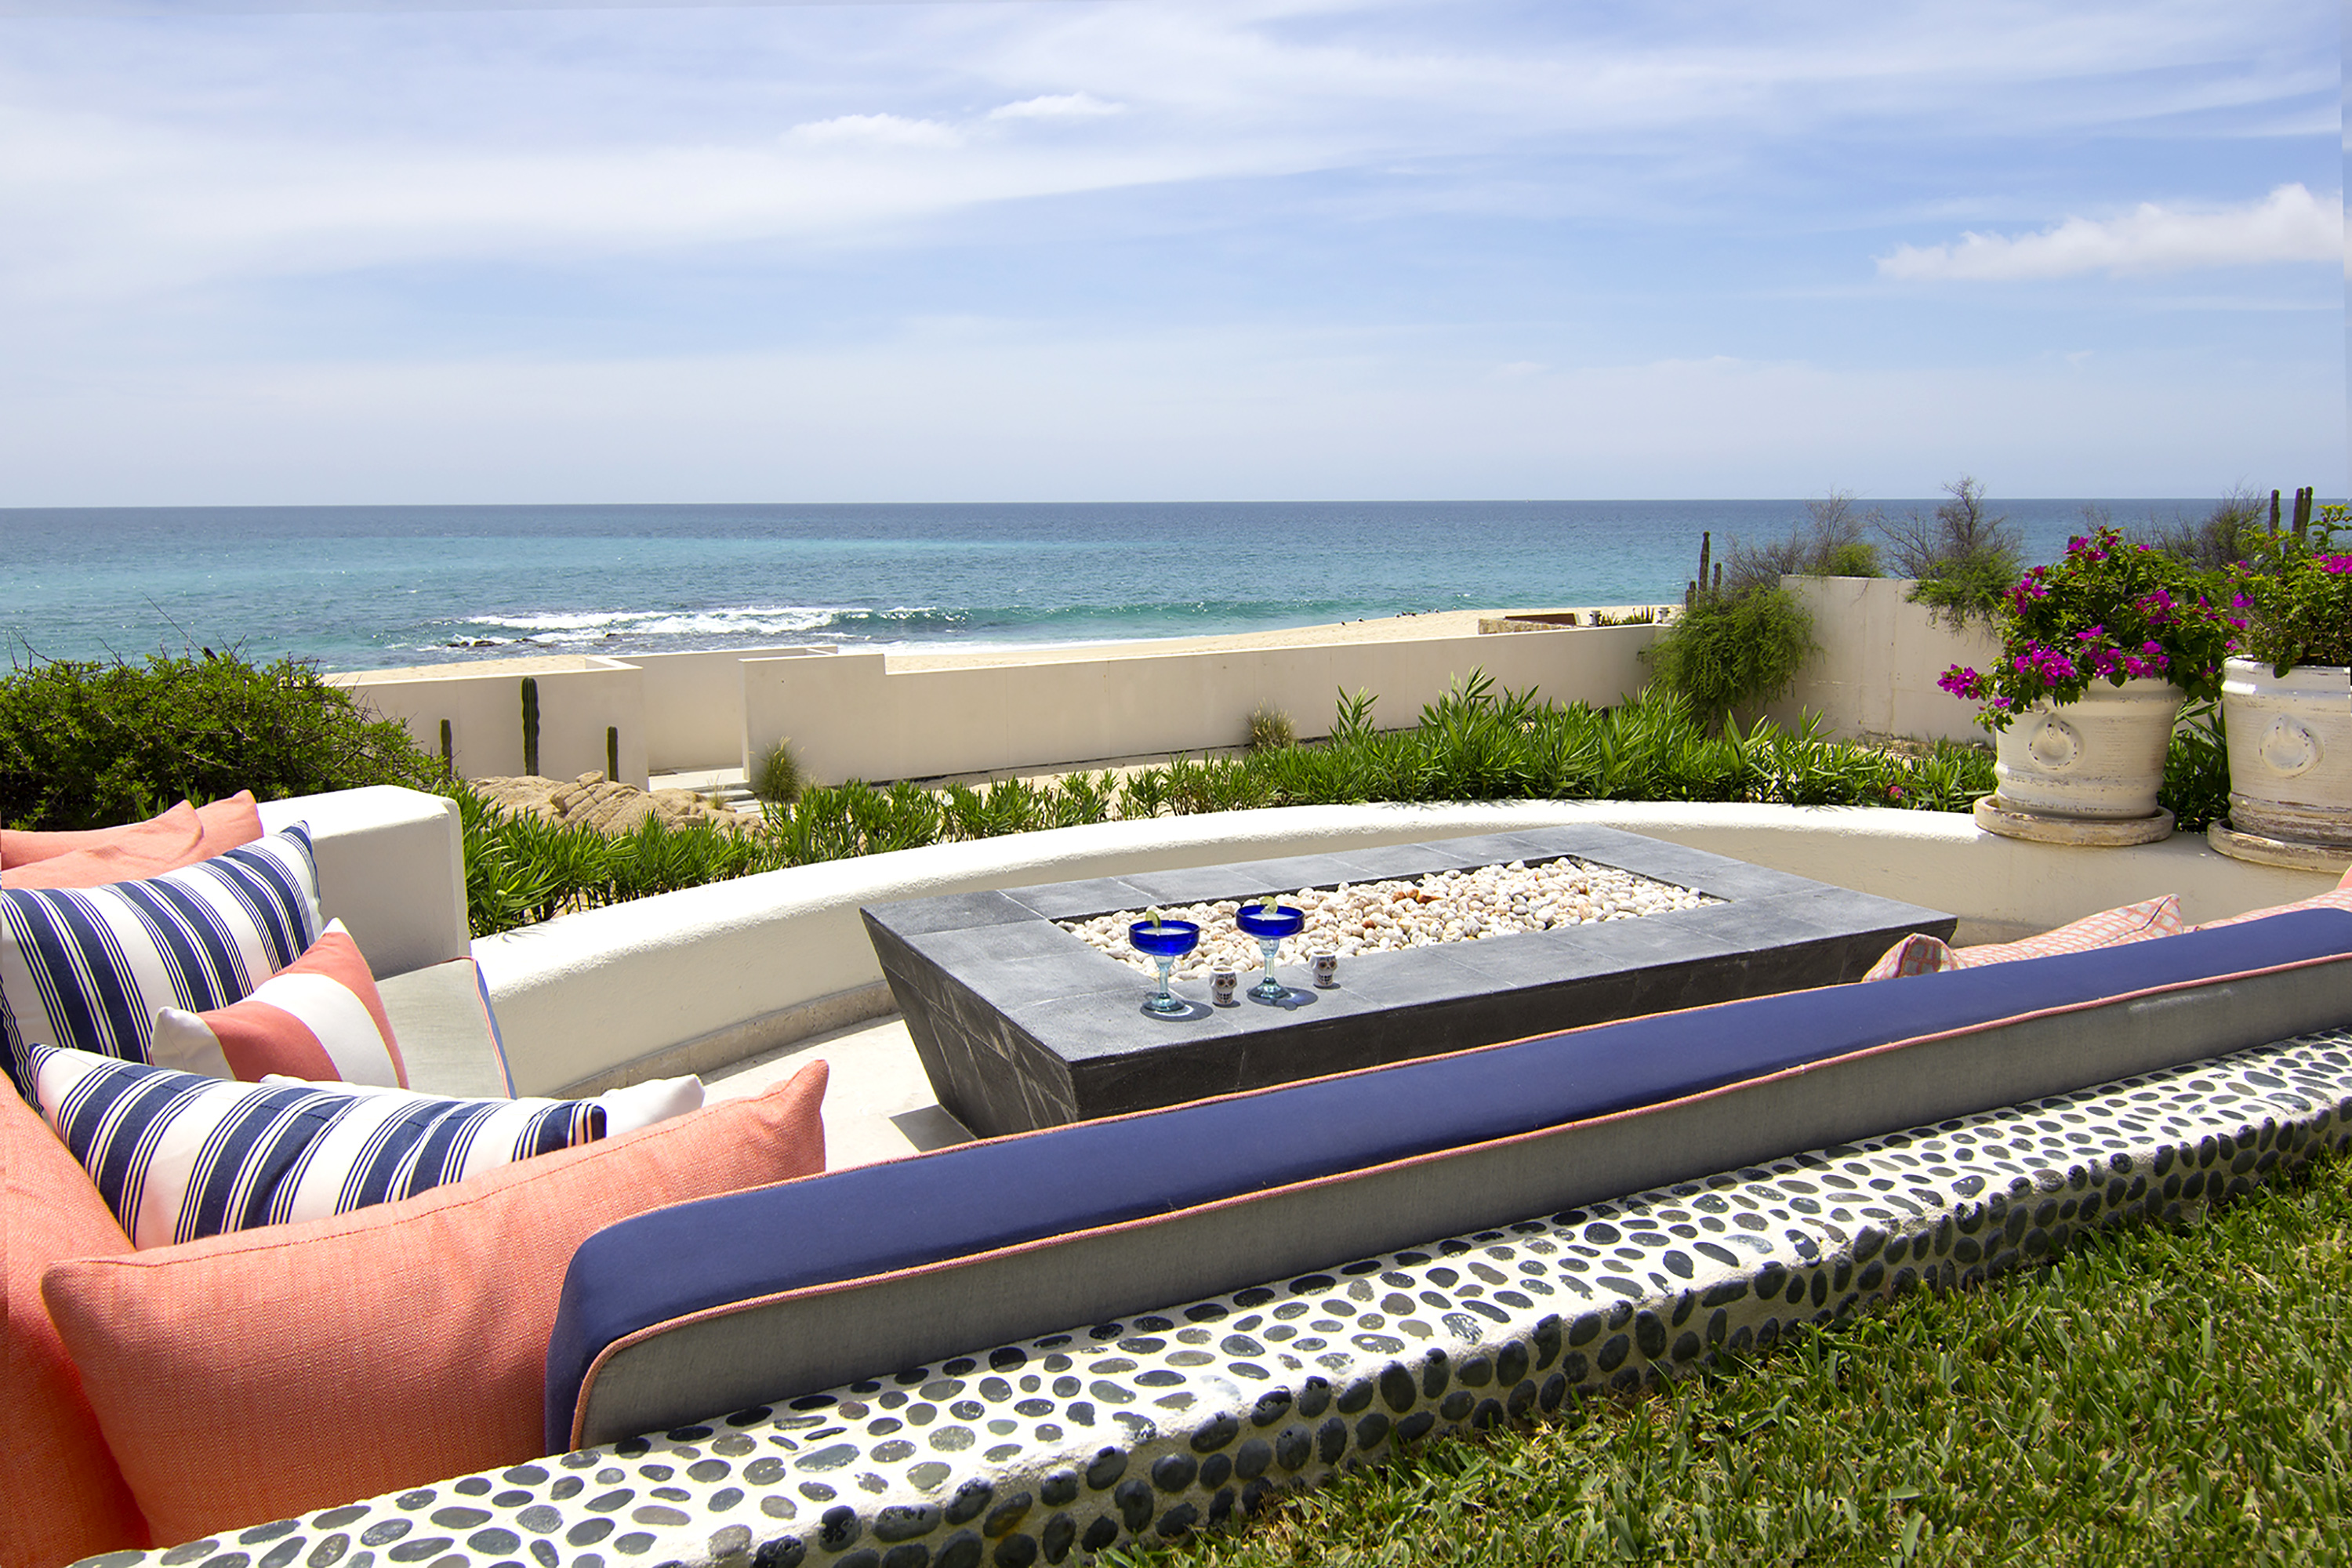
{"x":596,"y":801}
{"x":1477,"y":905}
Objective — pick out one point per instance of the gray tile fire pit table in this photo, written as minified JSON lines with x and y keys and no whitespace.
{"x":1022,"y":1024}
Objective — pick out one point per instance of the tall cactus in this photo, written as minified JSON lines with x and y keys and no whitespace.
{"x":613,"y":752}
{"x":529,"y":725}
{"x":449,"y":753}
{"x":1699,"y":587}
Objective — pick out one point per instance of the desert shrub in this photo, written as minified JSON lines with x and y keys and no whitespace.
{"x":778,"y":779}
{"x":1965,"y":560}
{"x":2228,"y":535}
{"x":90,"y":743}
{"x":1270,"y":731}
{"x":1832,"y":541}
{"x":1733,"y":650}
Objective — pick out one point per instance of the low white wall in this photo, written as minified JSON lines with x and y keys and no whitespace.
{"x":877,"y":716}
{"x":696,"y":978}
{"x":578,"y":700}
{"x":694,"y":705}
{"x":858,"y":716}
{"x":391,"y":867}
{"x":1879,"y":661}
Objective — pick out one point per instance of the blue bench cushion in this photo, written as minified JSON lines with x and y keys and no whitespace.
{"x":1971,"y":1039}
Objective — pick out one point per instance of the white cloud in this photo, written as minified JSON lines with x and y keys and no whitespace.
{"x":2289,"y":225}
{"x":142,"y":157}
{"x":1058,"y":106}
{"x":875,"y":131}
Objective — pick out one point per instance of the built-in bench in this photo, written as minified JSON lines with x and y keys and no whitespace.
{"x":767,"y":1295}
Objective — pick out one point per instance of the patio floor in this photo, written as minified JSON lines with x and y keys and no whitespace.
{"x":878,"y":1104}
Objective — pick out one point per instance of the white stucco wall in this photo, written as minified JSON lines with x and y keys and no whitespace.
{"x":578,"y":699}
{"x":880,"y":716}
{"x":863,"y":715}
{"x":694,"y":705}
{"x":747,"y":965}
{"x":1879,"y":661}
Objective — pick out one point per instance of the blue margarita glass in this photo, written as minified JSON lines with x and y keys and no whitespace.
{"x":1270,"y":930}
{"x":1164,"y":943}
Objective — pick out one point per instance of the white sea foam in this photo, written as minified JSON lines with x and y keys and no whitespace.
{"x":725,"y":621}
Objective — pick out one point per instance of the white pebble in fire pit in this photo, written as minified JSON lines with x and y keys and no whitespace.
{"x":1386,"y":917}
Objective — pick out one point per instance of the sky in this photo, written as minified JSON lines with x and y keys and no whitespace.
{"x":1129,"y":250}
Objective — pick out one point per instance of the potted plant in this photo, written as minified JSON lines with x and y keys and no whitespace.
{"x":2098,"y":652}
{"x":2286,"y":695}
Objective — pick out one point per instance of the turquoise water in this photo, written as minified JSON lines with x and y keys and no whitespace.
{"x":365,"y":587}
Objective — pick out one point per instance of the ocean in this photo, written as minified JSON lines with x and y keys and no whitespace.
{"x":370,"y":587}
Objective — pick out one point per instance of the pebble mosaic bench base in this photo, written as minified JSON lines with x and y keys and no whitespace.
{"x":1049,"y":1451}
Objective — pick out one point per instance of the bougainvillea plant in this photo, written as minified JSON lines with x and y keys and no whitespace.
{"x":2292,"y":599}
{"x":2108,"y":611}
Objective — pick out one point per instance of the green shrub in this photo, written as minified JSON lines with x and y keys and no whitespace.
{"x":1734,"y":650}
{"x":2196,"y":787}
{"x":2294,"y":594}
{"x":778,"y":779}
{"x":1083,"y":798}
{"x":90,"y":744}
{"x":1858,"y":558}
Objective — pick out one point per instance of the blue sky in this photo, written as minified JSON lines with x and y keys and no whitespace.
{"x":1118,"y":249}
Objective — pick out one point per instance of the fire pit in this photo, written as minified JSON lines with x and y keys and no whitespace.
{"x":1021,"y":1024}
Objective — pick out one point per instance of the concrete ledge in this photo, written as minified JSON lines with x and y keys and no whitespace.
{"x":391,"y":866}
{"x":722,"y":1048}
{"x":747,"y":963}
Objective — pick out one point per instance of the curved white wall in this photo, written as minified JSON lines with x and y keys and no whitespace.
{"x":700,"y":977}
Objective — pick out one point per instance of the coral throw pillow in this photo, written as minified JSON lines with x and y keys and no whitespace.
{"x":248,"y":1378}
{"x":318,"y":1018}
{"x":181,"y":836}
{"x":2149,"y":917}
{"x":89,"y":968}
{"x":61,"y":1497}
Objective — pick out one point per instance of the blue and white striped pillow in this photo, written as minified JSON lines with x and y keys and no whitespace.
{"x":178,"y":1156}
{"x":88,"y":968}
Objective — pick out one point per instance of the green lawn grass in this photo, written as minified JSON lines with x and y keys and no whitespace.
{"x":2159,"y":1395}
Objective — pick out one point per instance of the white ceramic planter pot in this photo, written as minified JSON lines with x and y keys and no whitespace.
{"x":2099,"y":757}
{"x":2290,"y":751}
